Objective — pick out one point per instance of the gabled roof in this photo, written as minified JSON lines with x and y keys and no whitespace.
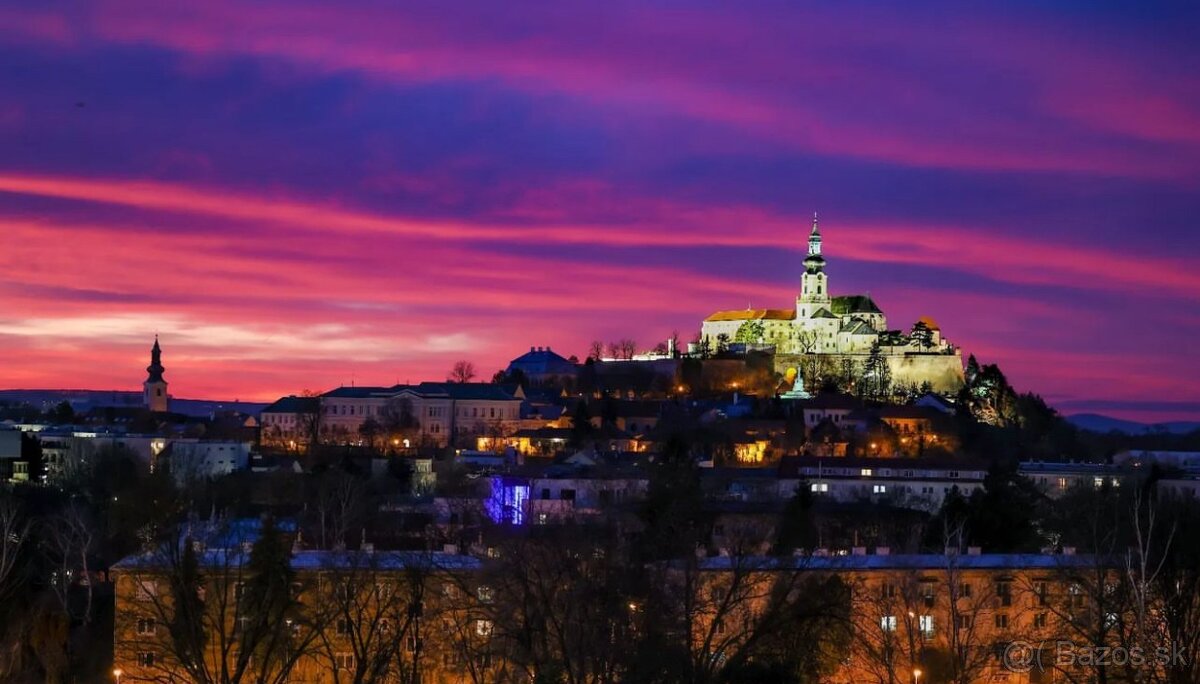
{"x":463,"y":391}
{"x":852,"y":304}
{"x":753,"y":315}
{"x":857,"y":326}
{"x":356,"y":392}
{"x":831,"y":400}
{"x":823,"y":313}
{"x":294,"y":404}
{"x":984,"y":561}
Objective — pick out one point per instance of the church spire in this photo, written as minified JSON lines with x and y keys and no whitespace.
{"x":814,"y":239}
{"x":155,"y":369}
{"x":154,"y":389}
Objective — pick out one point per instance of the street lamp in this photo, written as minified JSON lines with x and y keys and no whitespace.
{"x":117,"y":672}
{"x":917,"y":675}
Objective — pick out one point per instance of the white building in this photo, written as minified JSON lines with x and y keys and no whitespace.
{"x":442,"y":412}
{"x":199,"y":459}
{"x":910,"y":483}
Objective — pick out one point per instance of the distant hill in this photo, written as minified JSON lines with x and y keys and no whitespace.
{"x":85,"y":400}
{"x":1102,"y":424}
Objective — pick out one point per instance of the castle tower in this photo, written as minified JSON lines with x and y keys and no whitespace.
{"x":814,"y":288}
{"x":154,"y":390}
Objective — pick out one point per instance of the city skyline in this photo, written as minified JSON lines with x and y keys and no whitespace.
{"x":317,"y":198}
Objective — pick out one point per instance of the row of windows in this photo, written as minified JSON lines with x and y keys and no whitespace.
{"x":430,"y":411}
{"x":925,"y":623}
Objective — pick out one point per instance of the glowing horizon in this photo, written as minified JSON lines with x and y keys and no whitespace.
{"x":297,"y":196}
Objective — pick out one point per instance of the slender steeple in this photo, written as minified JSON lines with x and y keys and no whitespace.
{"x":154,"y":394}
{"x":814,"y":262}
{"x":814,"y":239}
{"x":155,"y":369}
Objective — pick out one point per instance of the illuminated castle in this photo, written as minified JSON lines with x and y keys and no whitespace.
{"x":838,"y":327}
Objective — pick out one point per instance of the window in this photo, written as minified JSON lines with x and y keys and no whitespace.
{"x":343,"y":627}
{"x":879,"y":489}
{"x":1039,"y":621}
{"x":543,"y":518}
{"x":343,"y":661}
{"x":145,"y":627}
{"x":485,"y":593}
{"x":483,"y":628}
{"x":819,"y":487}
{"x":928,"y":591}
{"x":866,"y":472}
{"x":1001,"y":621}
{"x":147,"y":590}
{"x":888,"y":623}
{"x":567,"y":495}
{"x":925,"y":624}
{"x":1075,"y":593}
{"x":1040,"y":591}
{"x":964,"y":621}
{"x":887,"y":590}
{"x":239,"y":590}
{"x":1004,"y":593}
{"x":145,"y":659}
{"x":411,"y":643}
{"x":964,"y":590}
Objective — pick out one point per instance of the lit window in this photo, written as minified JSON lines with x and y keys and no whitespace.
{"x":867,"y":472}
{"x":819,"y":487}
{"x":343,"y":661}
{"x":145,"y":659}
{"x":879,"y":489}
{"x":888,"y":623}
{"x":145,"y":627}
{"x":925,"y":624}
{"x":483,"y":627}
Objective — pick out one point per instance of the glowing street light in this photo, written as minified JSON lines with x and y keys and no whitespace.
{"x":117,"y":672}
{"x":917,"y":675}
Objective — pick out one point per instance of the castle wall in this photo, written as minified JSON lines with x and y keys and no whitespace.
{"x":943,"y":371}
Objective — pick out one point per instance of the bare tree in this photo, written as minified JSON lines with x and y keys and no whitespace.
{"x":69,"y":540}
{"x":378,"y":602}
{"x":463,"y":371}
{"x":627,"y":348}
{"x":339,"y":508}
{"x":14,"y":529}
{"x":596,"y":350}
{"x":232,"y":615}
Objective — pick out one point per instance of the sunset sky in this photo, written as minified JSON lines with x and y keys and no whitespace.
{"x":296,"y":195}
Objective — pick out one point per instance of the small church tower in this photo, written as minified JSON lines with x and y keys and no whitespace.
{"x":154,"y":390}
{"x":814,"y":289}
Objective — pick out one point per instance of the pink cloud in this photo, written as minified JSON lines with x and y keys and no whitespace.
{"x":671,"y":63}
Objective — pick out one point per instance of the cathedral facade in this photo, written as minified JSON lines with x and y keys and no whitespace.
{"x":839,"y":328}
